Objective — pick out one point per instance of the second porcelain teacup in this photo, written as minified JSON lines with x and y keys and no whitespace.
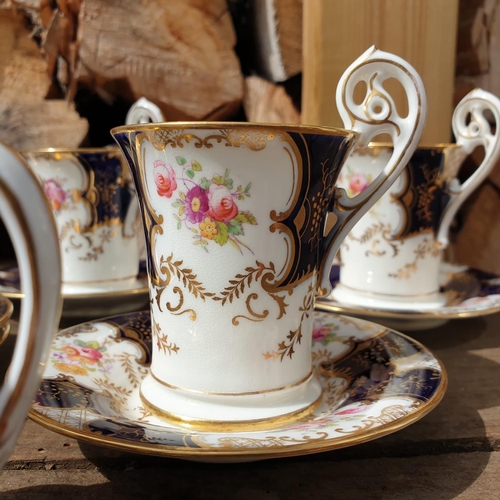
{"x":238,"y":241}
{"x":96,"y":212}
{"x":391,"y":258}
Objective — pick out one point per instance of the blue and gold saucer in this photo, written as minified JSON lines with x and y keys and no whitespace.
{"x":375,"y":382}
{"x":467,"y":292}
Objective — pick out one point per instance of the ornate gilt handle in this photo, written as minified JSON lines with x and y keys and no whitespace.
{"x":144,"y":111}
{"x":376,"y":115}
{"x":472,"y":129}
{"x":28,"y":218}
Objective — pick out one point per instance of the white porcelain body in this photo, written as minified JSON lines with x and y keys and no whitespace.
{"x":96,"y":212}
{"x":391,"y":258}
{"x":28,"y":219}
{"x":235,"y":219}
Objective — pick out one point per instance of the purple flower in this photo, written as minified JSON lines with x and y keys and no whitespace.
{"x":196,"y":204}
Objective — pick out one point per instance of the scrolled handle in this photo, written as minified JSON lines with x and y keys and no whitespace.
{"x":472,"y":129}
{"x":144,"y":111}
{"x":376,"y":115}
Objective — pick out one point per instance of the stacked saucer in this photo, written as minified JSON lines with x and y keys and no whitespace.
{"x":6,"y":310}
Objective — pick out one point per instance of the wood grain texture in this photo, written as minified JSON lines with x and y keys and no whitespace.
{"x":267,"y":102}
{"x":465,"y":476}
{"x":178,"y":54}
{"x":478,"y":243}
{"x":421,"y":31}
{"x":28,"y":118}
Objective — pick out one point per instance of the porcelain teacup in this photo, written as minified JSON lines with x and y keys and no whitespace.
{"x":242,"y":222}
{"x":96,"y":211}
{"x":391,"y":258}
{"x":28,"y":219}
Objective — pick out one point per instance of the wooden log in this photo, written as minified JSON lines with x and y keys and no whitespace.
{"x":478,"y":243}
{"x":268,"y":103}
{"x":178,"y":54}
{"x":278,"y":38}
{"x":478,"y":46}
{"x":29,"y":119}
{"x":421,"y":31}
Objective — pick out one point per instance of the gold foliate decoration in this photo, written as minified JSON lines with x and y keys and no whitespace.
{"x":286,"y":347}
{"x":162,"y":341}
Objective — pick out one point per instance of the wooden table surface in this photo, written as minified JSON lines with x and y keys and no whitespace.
{"x":454,"y":452}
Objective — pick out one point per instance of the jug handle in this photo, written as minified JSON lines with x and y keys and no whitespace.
{"x":28,"y":218}
{"x":470,"y":135}
{"x":144,"y":111}
{"x":376,"y":115}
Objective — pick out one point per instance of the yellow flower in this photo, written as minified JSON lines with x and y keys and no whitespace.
{"x":73,"y":369}
{"x":208,"y":229}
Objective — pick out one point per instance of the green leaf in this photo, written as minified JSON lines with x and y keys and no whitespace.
{"x":179,"y":225}
{"x":177,"y":204}
{"x":182,"y":209}
{"x":226,"y":173}
{"x":190,"y":173}
{"x":234,"y":227}
{"x":182,"y":195}
{"x":222,"y":234}
{"x":204,"y":183}
{"x":229,"y":183}
{"x":246,"y":217}
{"x":195,"y":166}
{"x":247,"y":189}
{"x":195,"y":231}
{"x":180,"y":160}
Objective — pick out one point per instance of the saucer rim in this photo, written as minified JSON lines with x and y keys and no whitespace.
{"x":256,"y":453}
{"x":131,"y":291}
{"x":331,"y":305}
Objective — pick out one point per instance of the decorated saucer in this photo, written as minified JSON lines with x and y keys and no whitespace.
{"x":87,"y":300}
{"x":467,"y":292}
{"x":375,"y":382}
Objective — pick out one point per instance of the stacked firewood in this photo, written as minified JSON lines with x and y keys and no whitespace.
{"x":69,"y":70}
{"x":60,"y":59}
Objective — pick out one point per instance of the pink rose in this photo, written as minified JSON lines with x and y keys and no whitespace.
{"x":320,"y":333}
{"x":55,"y":193}
{"x":221,"y":206}
{"x":358,"y":183}
{"x":350,"y":411}
{"x":164,"y":179}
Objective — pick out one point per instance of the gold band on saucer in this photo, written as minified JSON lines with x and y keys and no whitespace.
{"x":230,"y":426}
{"x":251,"y":393}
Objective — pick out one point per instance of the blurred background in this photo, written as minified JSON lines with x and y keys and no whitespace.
{"x":70,"y":69}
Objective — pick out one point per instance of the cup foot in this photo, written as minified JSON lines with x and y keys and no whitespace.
{"x":228,"y":413}
{"x":427,"y":302}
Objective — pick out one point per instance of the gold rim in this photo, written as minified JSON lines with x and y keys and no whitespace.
{"x":256,"y":454}
{"x":250,"y":393}
{"x":440,"y":145}
{"x":336,"y":307}
{"x":307,"y":129}
{"x":261,"y":424}
{"x":115,"y":149}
